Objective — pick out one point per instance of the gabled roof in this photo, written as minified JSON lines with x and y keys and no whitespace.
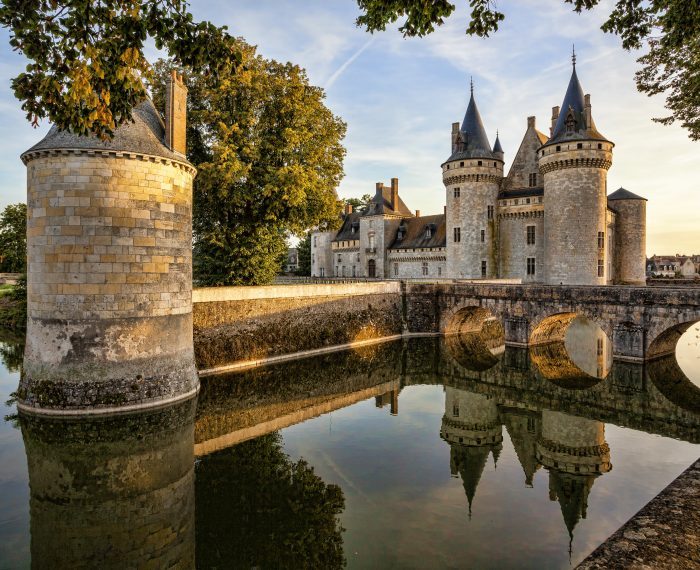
{"x":543,"y":138}
{"x":574,"y":107}
{"x":622,"y":194}
{"x":145,"y":135}
{"x":381,"y":204}
{"x":414,"y":233}
{"x":345,"y":233}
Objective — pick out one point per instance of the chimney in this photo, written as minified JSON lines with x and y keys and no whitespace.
{"x":176,"y":114}
{"x":417,"y":213}
{"x":555,"y":116}
{"x":395,"y":194}
{"x":380,"y":186}
{"x":531,"y":122}
{"x":455,"y":135}
{"x":587,"y":110}
{"x":348,"y":209}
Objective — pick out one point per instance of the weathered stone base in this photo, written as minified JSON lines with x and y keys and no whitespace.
{"x":662,"y":535}
{"x":93,"y":367}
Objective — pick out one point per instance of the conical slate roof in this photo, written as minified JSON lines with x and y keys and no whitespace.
{"x":497,"y":145}
{"x":622,"y":194}
{"x":145,"y":135}
{"x":474,"y":143}
{"x":469,"y":462}
{"x":574,"y":106}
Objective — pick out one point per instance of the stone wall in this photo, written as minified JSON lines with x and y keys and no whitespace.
{"x":630,"y":250}
{"x":410,"y":264}
{"x":109,"y":280}
{"x":321,"y":255}
{"x":514,"y":249}
{"x":575,"y":203}
{"x":479,"y":183}
{"x":235,"y":324}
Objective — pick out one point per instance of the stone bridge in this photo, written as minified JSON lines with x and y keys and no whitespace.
{"x":642,"y":322}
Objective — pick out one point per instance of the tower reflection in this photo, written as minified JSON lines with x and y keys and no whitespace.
{"x":112,"y":493}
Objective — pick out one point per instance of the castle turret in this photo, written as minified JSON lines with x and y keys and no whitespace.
{"x":109,"y":249}
{"x":574,"y":163}
{"x":472,"y":177}
{"x":631,"y":234}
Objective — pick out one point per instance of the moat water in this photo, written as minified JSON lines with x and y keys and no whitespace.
{"x":426,"y":453}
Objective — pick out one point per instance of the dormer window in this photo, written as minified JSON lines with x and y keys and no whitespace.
{"x":570,"y":121}
{"x":428,"y":232}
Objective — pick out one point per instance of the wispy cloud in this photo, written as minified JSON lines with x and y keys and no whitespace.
{"x":347,"y":63}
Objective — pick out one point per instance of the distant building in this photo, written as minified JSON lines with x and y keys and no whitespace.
{"x":547,"y":221}
{"x":292,"y":260}
{"x":673,"y":266}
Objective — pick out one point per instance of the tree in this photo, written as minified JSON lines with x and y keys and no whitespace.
{"x":13,"y":239}
{"x":670,"y":29}
{"x":86,"y":60}
{"x":269,"y":156}
{"x":304,"y":256}
{"x":258,"y":509}
{"x":359,"y":204}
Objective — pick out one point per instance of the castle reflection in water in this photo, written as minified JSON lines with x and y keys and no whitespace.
{"x":123,"y":492}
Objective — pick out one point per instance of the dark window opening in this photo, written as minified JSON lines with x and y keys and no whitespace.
{"x":579,"y":145}
{"x":479,"y":163}
{"x":457,"y":234}
{"x":483,"y":268}
{"x":530,"y":265}
{"x":483,"y":236}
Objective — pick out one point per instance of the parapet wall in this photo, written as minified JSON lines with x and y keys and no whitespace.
{"x":247,"y":324}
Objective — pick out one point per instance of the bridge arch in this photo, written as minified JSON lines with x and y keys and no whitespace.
{"x":665,"y":342}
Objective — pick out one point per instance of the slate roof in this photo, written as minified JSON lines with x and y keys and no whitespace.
{"x":415,"y":234}
{"x":622,"y":194}
{"x":497,"y":145}
{"x":520,"y":193}
{"x":345,"y":233}
{"x":574,"y":102}
{"x":145,"y":135}
{"x":381,"y":204}
{"x":474,"y":142}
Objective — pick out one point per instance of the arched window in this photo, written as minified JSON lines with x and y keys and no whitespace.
{"x":371,"y":268}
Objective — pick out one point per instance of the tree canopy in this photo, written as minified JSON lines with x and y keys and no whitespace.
{"x":359,"y":204}
{"x":86,"y":61}
{"x":269,"y":155}
{"x":668,"y":31}
{"x":304,"y":256}
{"x":13,"y":239}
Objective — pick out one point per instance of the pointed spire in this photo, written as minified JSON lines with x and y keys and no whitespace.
{"x":497,"y":148}
{"x":573,"y":55}
{"x":574,"y":121}
{"x":475,"y":143}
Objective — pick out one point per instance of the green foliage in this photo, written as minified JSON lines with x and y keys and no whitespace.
{"x":359,"y":204}
{"x":13,"y":306}
{"x":269,"y":157}
{"x":304,"y":256}
{"x":258,"y":509}
{"x":13,"y":239}
{"x":668,"y":29}
{"x":86,"y":60}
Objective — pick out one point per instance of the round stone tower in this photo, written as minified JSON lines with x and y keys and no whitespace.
{"x":630,"y":237}
{"x":574,"y":164}
{"x":472,"y":176}
{"x":109,"y":242}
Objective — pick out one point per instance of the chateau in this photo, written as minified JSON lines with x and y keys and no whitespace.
{"x":549,"y":220}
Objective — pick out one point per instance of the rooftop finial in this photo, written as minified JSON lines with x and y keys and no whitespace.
{"x":471,"y":85}
{"x":573,"y":55}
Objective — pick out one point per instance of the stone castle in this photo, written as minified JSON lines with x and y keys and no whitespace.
{"x":549,"y":220}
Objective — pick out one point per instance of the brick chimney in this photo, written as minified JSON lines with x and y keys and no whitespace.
{"x":555,"y":116}
{"x":395,"y":194}
{"x":348,"y":209}
{"x":417,"y":213}
{"x":176,"y":114}
{"x":531,"y":122}
{"x":587,"y":110}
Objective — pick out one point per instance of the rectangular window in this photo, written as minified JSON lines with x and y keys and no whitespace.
{"x":439,"y":271}
{"x":314,"y":241}
{"x":425,"y":268}
{"x":530,"y":265}
{"x":530,"y":235}
{"x":313,"y":258}
{"x":456,"y":192}
{"x":527,"y":200}
{"x":340,"y":259}
{"x":601,"y":240}
{"x":358,"y":257}
{"x":599,"y":351}
{"x":371,"y":223}
{"x":532,"y":179}
{"x":483,"y":268}
{"x":601,"y":268}
{"x":483,"y":236}
{"x":353,"y":271}
{"x":396,"y":269}
{"x":457,"y":234}
{"x":323,"y":271}
{"x":455,"y":410}
{"x":489,"y":212}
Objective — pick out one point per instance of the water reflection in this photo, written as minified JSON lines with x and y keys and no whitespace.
{"x":113,"y":493}
{"x":224,"y":488}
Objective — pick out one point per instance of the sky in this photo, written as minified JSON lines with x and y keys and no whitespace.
{"x":400,"y":96}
